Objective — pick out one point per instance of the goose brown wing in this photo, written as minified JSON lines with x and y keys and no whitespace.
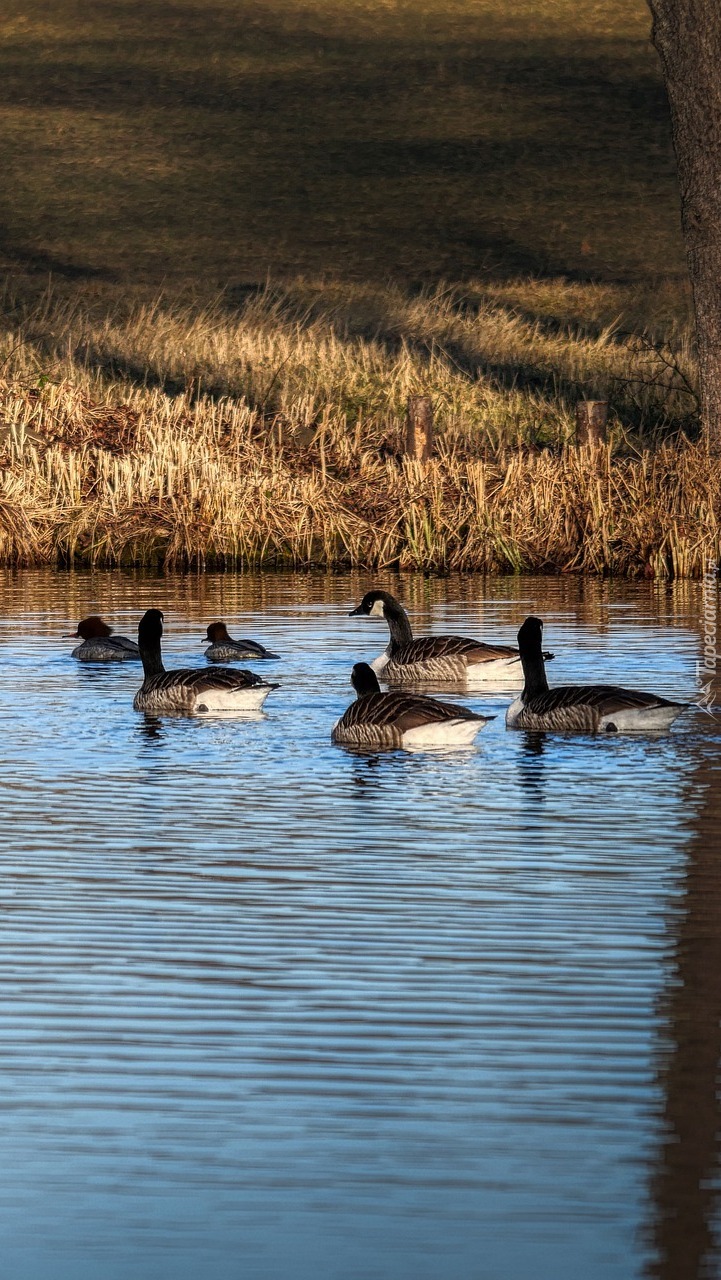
{"x":604,"y":698}
{"x":213,"y":678}
{"x":403,"y":711}
{"x":426,"y":648}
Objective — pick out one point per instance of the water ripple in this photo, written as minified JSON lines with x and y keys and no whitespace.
{"x":274,"y":1009}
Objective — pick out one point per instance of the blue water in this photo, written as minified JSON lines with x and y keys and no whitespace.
{"x":272,"y":1009}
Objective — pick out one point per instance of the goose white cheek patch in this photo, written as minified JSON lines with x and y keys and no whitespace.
{"x":377,"y":610}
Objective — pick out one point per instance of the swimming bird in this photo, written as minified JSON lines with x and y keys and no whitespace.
{"x":581,"y":708}
{"x":188,"y":690}
{"x":442,"y":658}
{"x":223,"y":648}
{"x":99,"y":643}
{"x":378,"y":719}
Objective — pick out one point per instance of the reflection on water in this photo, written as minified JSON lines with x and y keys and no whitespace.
{"x":271,"y":1008}
{"x":685,"y":1184}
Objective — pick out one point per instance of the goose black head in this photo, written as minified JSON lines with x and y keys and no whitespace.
{"x":364,"y":679}
{"x":530,"y":636}
{"x":374,"y":604}
{"x":150,"y":628}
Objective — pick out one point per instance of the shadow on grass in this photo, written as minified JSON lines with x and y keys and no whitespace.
{"x":216,"y":141}
{"x":37,"y":263}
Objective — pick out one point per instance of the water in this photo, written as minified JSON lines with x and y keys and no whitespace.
{"x":272,"y":1009}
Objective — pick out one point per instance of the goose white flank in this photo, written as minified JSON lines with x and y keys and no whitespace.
{"x":189,"y":691}
{"x":439,"y":658}
{"x":581,"y":708}
{"x":407,"y":720}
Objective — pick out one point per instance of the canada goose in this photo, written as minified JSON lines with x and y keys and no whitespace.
{"x":581,"y":708}
{"x":99,"y":643}
{"x":191,"y":691}
{"x":442,"y":658}
{"x":224,"y":649}
{"x":378,"y":719}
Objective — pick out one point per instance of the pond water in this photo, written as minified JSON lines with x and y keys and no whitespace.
{"x":273,"y":1009}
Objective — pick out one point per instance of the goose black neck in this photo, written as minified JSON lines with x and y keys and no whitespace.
{"x":530,"y":639}
{"x":398,"y":624}
{"x":152,"y":659}
{"x":150,"y":632}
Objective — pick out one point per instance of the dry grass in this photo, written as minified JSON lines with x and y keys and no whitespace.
{"x":496,"y":360}
{"x":273,"y":437}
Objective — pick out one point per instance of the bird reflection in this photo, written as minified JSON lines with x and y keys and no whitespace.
{"x":534,"y":744}
{"x":150,"y":727}
{"x":531,"y":772}
{"x":362,"y":775}
{"x":685,"y":1174}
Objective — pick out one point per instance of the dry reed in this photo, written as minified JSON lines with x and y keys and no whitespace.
{"x":273,"y":438}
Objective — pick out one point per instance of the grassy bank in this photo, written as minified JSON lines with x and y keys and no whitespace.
{"x":273,"y":436}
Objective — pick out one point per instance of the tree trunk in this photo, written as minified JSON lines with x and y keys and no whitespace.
{"x":687,"y":36}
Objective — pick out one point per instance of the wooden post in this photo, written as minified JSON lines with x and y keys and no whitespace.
{"x":419,"y":428}
{"x":591,"y":417}
{"x":192,"y":388}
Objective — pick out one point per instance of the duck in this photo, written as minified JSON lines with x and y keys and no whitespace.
{"x":581,"y":708}
{"x":190,"y":691}
{"x":406,"y":720}
{"x":438,"y":658}
{"x":99,"y":643}
{"x":223,"y":648}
